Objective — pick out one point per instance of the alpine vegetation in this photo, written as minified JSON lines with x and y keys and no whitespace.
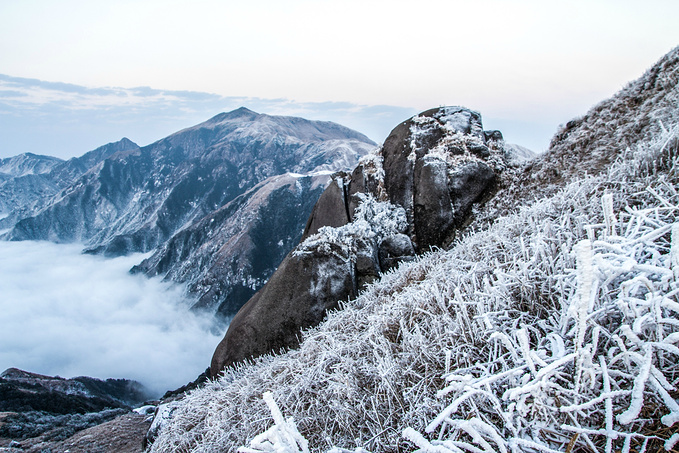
{"x":553,"y":329}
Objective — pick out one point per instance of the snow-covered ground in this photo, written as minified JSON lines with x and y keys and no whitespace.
{"x":555,"y":329}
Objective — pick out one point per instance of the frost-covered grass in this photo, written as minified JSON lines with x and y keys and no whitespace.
{"x":555,"y":329}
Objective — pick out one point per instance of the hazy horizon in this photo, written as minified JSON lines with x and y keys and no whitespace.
{"x":66,"y":120}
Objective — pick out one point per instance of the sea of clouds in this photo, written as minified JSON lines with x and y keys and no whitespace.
{"x":69,"y":314}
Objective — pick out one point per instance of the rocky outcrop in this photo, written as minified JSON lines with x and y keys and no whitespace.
{"x":410,"y":195}
{"x":298,"y":295}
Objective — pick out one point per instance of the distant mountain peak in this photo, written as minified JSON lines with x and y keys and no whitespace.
{"x":239,"y":113}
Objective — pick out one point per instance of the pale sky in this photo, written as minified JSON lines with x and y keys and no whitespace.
{"x":526,"y":65}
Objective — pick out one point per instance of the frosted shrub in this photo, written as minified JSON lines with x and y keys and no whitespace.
{"x":282,"y":437}
{"x":555,"y":329}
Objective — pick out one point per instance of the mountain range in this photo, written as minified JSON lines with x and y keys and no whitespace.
{"x":219,"y":204}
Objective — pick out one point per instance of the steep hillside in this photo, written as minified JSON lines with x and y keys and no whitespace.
{"x":550,"y":328}
{"x":229,"y":254}
{"x":588,"y":145}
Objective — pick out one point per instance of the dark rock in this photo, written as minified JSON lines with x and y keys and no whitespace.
{"x":398,"y":169}
{"x":395,"y":250}
{"x":493,"y":135}
{"x":367,"y":266}
{"x":467,"y":184}
{"x":171,"y":395}
{"x":433,"y":208}
{"x":365,"y":179}
{"x":479,"y":150}
{"x":298,"y":295}
{"x":329,"y":210}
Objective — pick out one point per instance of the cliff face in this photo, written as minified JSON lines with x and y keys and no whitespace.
{"x":409,"y":196}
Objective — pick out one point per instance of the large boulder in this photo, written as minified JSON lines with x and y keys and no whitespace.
{"x":299,"y":293}
{"x":412,"y":194}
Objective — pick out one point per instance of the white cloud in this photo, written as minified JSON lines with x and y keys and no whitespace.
{"x":68,"y":314}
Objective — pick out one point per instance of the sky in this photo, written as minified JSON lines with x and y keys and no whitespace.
{"x":79,"y":74}
{"x":68,"y":314}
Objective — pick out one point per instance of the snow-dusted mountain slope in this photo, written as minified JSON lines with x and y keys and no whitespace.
{"x":551,"y":328}
{"x":27,"y":164}
{"x":29,"y":182}
{"x":222,"y":202}
{"x":226,"y":256}
{"x":136,"y":200}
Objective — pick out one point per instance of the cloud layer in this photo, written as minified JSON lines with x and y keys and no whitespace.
{"x":67,"y":314}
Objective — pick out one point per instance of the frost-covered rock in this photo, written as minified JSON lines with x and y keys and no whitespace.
{"x":298,"y":294}
{"x":328,"y":267}
{"x":329,"y":210}
{"x":163,"y":415}
{"x":409,"y":195}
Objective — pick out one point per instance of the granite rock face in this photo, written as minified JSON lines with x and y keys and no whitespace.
{"x":296,"y":296}
{"x":410,"y":195}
